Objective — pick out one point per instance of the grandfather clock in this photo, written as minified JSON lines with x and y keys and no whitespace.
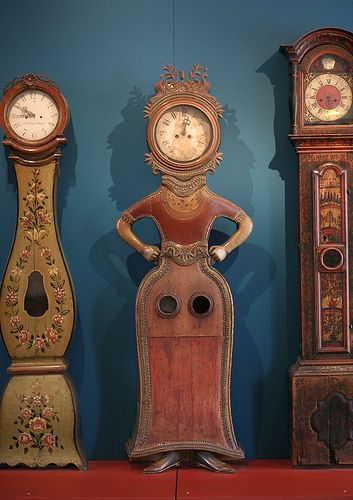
{"x":321,"y":70}
{"x":38,"y":412}
{"x":184,"y":308}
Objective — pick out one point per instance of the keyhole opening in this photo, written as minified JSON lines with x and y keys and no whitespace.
{"x":36,"y":300}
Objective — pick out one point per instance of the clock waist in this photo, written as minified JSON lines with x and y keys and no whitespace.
{"x":184,"y":254}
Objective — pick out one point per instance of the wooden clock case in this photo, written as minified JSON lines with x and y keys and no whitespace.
{"x":322,"y":377}
{"x":39,"y":411}
{"x":184,"y":308}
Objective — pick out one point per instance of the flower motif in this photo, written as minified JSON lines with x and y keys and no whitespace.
{"x":16,"y":271}
{"x":26,"y":220}
{"x":59,"y":294}
{"x":43,"y":217}
{"x":23,"y":337}
{"x":11,"y":298}
{"x":51,"y":335}
{"x":34,"y":186}
{"x":45,"y":252}
{"x":41,"y":197}
{"x":49,"y":440}
{"x":53,"y":270}
{"x":39,"y":342}
{"x":36,"y":387}
{"x":48,"y":412}
{"x":36,"y":235}
{"x":36,"y":401}
{"x":45,"y":399}
{"x":15,"y":321}
{"x":58,"y":319}
{"x":37,"y":424}
{"x":24,"y":439}
{"x":26,"y":413}
{"x":25,"y":255}
{"x":29,"y":198}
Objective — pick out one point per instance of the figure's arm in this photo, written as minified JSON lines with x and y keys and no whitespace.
{"x":244,"y":223}
{"x":124,"y":230}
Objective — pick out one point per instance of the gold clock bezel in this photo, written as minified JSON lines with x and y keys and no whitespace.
{"x":195,"y":102}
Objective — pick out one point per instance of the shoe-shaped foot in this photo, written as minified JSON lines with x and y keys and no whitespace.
{"x":169,"y":460}
{"x":210,"y":461}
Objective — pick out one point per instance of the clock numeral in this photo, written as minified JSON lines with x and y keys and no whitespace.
{"x":15,"y":125}
{"x":184,"y":111}
{"x":44,"y":131}
{"x":312,"y":96}
{"x":200,"y":142}
{"x":34,"y":135}
{"x":162,"y":132}
{"x":314,"y":105}
{"x":328,"y":80}
{"x":164,"y":143}
{"x":342,"y":89}
{"x":50,"y":105}
{"x":320,"y":83}
{"x":25,"y":130}
{"x":166,"y":122}
{"x":33,"y":95}
{"x":42,"y":97}
{"x":173,"y":115}
{"x":51,"y":123}
{"x":23,"y":97}
{"x":342,"y":105}
{"x":344,"y":97}
{"x":314,"y":89}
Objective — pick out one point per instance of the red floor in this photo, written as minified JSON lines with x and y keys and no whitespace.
{"x":107,"y":480}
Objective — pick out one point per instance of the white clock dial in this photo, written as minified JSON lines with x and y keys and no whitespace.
{"x":33,"y":115}
{"x":183,"y":133}
{"x":328,"y":97}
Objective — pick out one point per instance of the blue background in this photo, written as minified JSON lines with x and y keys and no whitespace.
{"x":105,"y":56}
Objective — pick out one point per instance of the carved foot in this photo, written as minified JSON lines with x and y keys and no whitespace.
{"x":169,"y":460}
{"x":210,"y":461}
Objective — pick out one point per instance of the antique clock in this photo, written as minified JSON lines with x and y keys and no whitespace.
{"x":184,"y":309}
{"x":321,"y":70}
{"x":38,"y":412}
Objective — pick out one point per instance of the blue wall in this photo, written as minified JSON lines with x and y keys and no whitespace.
{"x":106,"y":56}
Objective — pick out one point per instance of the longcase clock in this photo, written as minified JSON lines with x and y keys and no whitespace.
{"x":38,"y":412}
{"x":184,"y":308}
{"x":321,"y":70}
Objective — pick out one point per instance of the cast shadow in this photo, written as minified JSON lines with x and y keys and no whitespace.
{"x":284,"y":161}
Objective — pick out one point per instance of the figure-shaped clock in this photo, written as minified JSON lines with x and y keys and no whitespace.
{"x":321,"y":64}
{"x":184,"y":309}
{"x":38,"y":413}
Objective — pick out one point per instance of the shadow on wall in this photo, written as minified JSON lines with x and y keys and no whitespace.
{"x":284,"y":161}
{"x":250,"y":269}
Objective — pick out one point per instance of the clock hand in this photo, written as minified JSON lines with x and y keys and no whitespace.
{"x":186,"y":122}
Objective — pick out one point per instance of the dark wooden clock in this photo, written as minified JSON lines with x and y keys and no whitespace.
{"x":38,"y":412}
{"x":184,"y":309}
{"x":321,"y":70}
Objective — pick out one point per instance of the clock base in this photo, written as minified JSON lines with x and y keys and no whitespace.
{"x":38,"y":422}
{"x":322,"y":414}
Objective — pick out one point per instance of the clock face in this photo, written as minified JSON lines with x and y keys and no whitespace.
{"x":32,"y":115}
{"x":328,"y":97}
{"x":183,"y":133}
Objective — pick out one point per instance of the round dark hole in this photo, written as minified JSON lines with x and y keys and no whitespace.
{"x":168,"y":305}
{"x":332,"y":258}
{"x":201,"y":305}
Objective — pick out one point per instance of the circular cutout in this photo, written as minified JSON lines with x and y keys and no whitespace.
{"x":200,"y":305}
{"x":332,"y":258}
{"x":168,"y":305}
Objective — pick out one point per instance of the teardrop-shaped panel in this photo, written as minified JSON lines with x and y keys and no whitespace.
{"x":36,"y":300}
